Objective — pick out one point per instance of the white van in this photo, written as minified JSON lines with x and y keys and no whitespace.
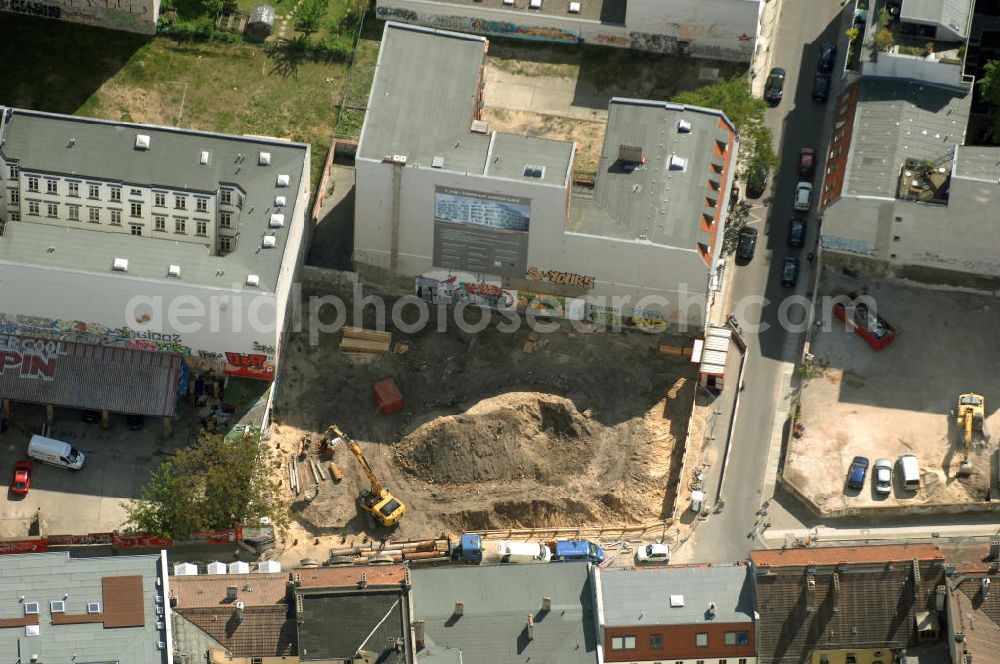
{"x":523,"y":552}
{"x":910,"y":471}
{"x":55,"y":453}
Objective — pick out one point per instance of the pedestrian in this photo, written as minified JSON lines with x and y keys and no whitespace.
{"x":809,"y":257}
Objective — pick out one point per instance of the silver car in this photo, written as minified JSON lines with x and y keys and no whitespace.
{"x":882,"y":477}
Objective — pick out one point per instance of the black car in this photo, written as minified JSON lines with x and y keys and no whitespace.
{"x":775,"y":86}
{"x":134,"y":422}
{"x":856,"y":473}
{"x":790,"y":272}
{"x":821,"y":87}
{"x":746,"y":243}
{"x":756,"y":180}
{"x":827,"y":57}
{"x":797,"y":232}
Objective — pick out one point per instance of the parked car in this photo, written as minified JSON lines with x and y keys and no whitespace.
{"x":21,"y":481}
{"x":882,"y":476}
{"x":790,"y":272}
{"x":746,"y":243}
{"x":756,"y":180}
{"x":821,"y":87}
{"x":775,"y":86}
{"x":856,"y":473}
{"x":91,"y":416}
{"x":134,"y":422}
{"x":910,"y":469}
{"x":653,"y":553}
{"x":803,"y":196}
{"x":827,"y":57}
{"x":796,"y":232}
{"x":807,"y":163}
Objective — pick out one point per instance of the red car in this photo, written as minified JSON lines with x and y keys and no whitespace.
{"x":21,"y":481}
{"x":807,"y":163}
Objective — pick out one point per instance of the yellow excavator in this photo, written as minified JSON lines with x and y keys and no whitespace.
{"x":970,"y":416}
{"x":378,"y":502}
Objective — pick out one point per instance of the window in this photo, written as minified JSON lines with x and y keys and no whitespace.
{"x":226,"y":196}
{"x":32,"y":183}
{"x":742,"y":660}
{"x":33,"y":208}
{"x":159,"y":199}
{"x":225,"y":244}
{"x":14,"y":216}
{"x":737,"y":638}
{"x":116,"y":217}
{"x":52,"y":209}
{"x":160,"y":223}
{"x":201,"y":228}
{"x":852,"y":658}
{"x":899,"y":219}
{"x":94,"y":215}
{"x":15,"y":196}
{"x":701,"y":639}
{"x":226,"y":219}
{"x":135,"y":192}
{"x":135,"y":229}
{"x":655,"y":641}
{"x":179,"y":225}
{"x":74,"y":213}
{"x":623,"y":642}
{"x":895,"y":238}
{"x":12,"y":172}
{"x":94,"y":191}
{"x":74,"y":188}
{"x":116,"y":194}
{"x":824,"y":659}
{"x":722,"y":661}
{"x":892,"y":255}
{"x":180,"y":202}
{"x":136,"y":209}
{"x":51,"y":186}
{"x":201,"y":204}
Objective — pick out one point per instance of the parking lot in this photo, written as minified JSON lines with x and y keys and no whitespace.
{"x":856,"y":401}
{"x":118,"y":462}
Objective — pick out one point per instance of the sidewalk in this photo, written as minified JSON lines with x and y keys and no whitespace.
{"x":762,"y":57}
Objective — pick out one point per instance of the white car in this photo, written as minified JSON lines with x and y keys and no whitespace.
{"x":653,"y":553}
{"x":882,"y":477}
{"x":803,"y":196}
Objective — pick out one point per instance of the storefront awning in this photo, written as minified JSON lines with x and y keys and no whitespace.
{"x":72,"y":375}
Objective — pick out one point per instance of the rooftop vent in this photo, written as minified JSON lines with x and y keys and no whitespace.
{"x":252,"y":280}
{"x":269,"y":566}
{"x":437,"y":162}
{"x":480,"y":126}
{"x":215,"y":567}
{"x":277,"y":220}
{"x":185,"y":569}
{"x":279,"y":201}
{"x":203,"y":157}
{"x":683,"y":127}
{"x":630,"y":153}
{"x":121,"y":264}
{"x":676,"y":601}
{"x":531,"y":171}
{"x":264,"y":159}
{"x":574,"y":8}
{"x":535,"y":4}
{"x":174,"y":271}
{"x":30,"y":608}
{"x":677,"y":163}
{"x":142,"y":141}
{"x":269,"y":241}
{"x":282,"y":180}
{"x":93,"y":607}
{"x":57,"y":606}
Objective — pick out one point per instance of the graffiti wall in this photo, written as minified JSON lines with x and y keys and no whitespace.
{"x":461,"y":288}
{"x":129,"y":15}
{"x":483,"y":22}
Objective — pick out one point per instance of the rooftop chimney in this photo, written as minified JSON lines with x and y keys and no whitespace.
{"x":994,"y":550}
{"x":711,"y":610}
{"x":531,"y":628}
{"x":546,"y":604}
{"x":239,"y":612}
{"x":836,"y":592}
{"x":418,"y":633}
{"x":985,"y":588}
{"x":231,"y":593}
{"x":459,"y":608}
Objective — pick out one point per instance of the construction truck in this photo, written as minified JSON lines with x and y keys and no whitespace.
{"x":971,"y":419}
{"x":378,"y":502}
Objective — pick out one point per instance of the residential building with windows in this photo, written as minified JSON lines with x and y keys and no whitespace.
{"x":677,"y":615}
{"x":108,"y":230}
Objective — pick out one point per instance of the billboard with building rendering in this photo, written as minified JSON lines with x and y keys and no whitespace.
{"x":481,"y":232}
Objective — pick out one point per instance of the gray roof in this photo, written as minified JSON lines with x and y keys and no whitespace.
{"x":106,"y":150}
{"x":951,"y":14}
{"x":642,"y":596}
{"x":652,"y":203}
{"x":606,"y":11}
{"x":978,"y":162}
{"x":369,"y":620}
{"x":422,"y":107}
{"x":44,"y":577}
{"x":897,"y":120}
{"x":498,"y":600}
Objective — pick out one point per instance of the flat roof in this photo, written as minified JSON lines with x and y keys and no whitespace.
{"x":654,"y":202}
{"x":497,"y":601}
{"x":423,"y":103}
{"x":337,"y":625}
{"x":978,"y":162}
{"x":897,"y":120}
{"x":124,"y":630}
{"x":833,"y":555}
{"x":605,"y":11}
{"x":952,"y":14}
{"x":104,"y":150}
{"x":643,"y":596}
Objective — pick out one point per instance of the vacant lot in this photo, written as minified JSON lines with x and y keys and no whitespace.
{"x":571,"y":429}
{"x":858,"y":402}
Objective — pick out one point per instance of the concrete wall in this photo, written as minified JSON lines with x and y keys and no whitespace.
{"x":296,"y":247}
{"x":722,"y":29}
{"x":129,"y":15}
{"x":894,"y":65}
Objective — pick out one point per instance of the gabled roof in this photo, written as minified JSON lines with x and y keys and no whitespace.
{"x":976,"y":615}
{"x":833,"y":555}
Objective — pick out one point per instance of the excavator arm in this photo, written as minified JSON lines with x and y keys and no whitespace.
{"x":379,"y":502}
{"x":376,"y":486}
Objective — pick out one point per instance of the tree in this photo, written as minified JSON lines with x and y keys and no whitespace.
{"x":989,"y":89}
{"x":309,"y":15}
{"x":215,"y":484}
{"x":884,"y":39}
{"x":733,"y":97}
{"x":739,"y":215}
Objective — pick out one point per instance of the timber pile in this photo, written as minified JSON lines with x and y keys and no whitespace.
{"x":359,"y":340}
{"x":419,"y":551}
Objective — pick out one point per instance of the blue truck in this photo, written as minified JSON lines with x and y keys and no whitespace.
{"x":565,"y":550}
{"x":470,"y":551}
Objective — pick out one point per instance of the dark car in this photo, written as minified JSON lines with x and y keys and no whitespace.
{"x":796,"y":232}
{"x":134,"y":422}
{"x":827,"y":57}
{"x":91,"y":416}
{"x":746,"y":243}
{"x":775,"y":86}
{"x":821,"y":87}
{"x":807,"y":163}
{"x":856,"y":473}
{"x":756,"y":180}
{"x":790,"y":272}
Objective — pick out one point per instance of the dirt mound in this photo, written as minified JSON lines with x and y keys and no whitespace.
{"x":519,"y":435}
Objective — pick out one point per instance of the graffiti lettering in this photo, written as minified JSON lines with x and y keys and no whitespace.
{"x":525,"y":31}
{"x":249,"y":366}
{"x":263,"y":348}
{"x":611,"y":40}
{"x":209,"y":355}
{"x":27,"y":7}
{"x":31,"y":358}
{"x":396,"y":13}
{"x":562,"y":278}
